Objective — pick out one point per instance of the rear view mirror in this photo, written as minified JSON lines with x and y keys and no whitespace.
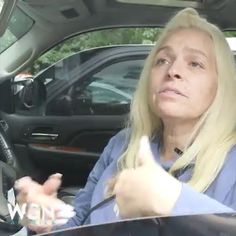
{"x":6,"y":9}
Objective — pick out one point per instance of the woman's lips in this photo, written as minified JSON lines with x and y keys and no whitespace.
{"x":171,"y":92}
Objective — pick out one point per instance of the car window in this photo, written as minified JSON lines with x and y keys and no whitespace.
{"x":87,"y":41}
{"x":91,"y":74}
{"x":96,"y":81}
{"x":105,"y":92}
{"x":1,"y":4}
{"x":20,"y":23}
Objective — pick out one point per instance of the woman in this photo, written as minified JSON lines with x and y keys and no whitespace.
{"x":184,"y":104}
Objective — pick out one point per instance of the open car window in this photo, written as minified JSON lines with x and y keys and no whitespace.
{"x":98,"y":78}
{"x":94,"y":73}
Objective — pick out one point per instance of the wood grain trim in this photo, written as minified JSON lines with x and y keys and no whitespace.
{"x":58,"y":148}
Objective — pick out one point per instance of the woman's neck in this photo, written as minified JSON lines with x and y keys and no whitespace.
{"x":175,"y":135}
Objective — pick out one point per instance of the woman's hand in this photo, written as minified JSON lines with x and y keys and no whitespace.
{"x":148,"y":189}
{"x":44,"y":209}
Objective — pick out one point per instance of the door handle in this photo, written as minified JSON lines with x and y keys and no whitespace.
{"x":44,"y":136}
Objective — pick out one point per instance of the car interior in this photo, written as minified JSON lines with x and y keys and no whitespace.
{"x":38,"y":140}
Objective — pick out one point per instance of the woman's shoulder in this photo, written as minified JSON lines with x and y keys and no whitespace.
{"x":226,"y":178}
{"x":121,"y":138}
{"x":223,"y":189}
{"x":117,"y":144}
{"x":228,"y":168}
{"x":231,"y":157}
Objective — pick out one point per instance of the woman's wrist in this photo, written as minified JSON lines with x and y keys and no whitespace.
{"x":171,"y":194}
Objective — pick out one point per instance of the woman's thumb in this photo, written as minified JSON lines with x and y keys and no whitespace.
{"x":52,"y":184}
{"x":145,"y":155}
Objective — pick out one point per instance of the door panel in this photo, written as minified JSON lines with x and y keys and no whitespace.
{"x":73,"y":153}
{"x":84,"y":103}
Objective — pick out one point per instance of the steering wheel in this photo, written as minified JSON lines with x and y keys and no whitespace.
{"x":6,"y":150}
{"x":8,"y":173}
{"x":7,"y":179}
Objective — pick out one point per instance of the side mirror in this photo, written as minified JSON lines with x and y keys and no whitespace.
{"x":33,"y":94}
{"x":6,"y":9}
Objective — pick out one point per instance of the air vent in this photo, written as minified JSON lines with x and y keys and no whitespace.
{"x":70,"y":13}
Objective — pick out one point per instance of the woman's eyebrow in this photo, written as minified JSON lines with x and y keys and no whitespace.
{"x":170,"y":51}
{"x":164,"y":48}
{"x":196,"y":51}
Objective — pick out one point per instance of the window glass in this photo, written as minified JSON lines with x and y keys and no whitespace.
{"x":94,"y":73}
{"x":103,"y":93}
{"x":90,"y":40}
{"x":108,"y":91}
{"x":19,"y":24}
{"x":1,"y":5}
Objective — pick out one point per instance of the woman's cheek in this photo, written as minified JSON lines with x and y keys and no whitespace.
{"x":153,"y":100}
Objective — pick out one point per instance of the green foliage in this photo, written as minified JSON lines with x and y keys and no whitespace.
{"x":96,"y":39}
{"x":230,"y":34}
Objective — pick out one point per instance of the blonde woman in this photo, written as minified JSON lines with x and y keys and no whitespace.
{"x":183,"y":112}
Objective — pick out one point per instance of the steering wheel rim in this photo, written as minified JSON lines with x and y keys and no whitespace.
{"x":7,"y":179}
{"x":8,"y":175}
{"x":7,"y":154}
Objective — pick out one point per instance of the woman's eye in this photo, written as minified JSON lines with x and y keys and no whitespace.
{"x":162,"y":61}
{"x":196,"y":64}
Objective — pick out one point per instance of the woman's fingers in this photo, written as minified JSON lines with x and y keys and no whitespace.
{"x":66,"y":212}
{"x":40,"y":229}
{"x":25,"y":187}
{"x":110,"y":186}
{"x":44,"y":209}
{"x":22,"y":184}
{"x":39,"y":219}
{"x":28,"y":190}
{"x":148,"y":183}
{"x":52,"y":184}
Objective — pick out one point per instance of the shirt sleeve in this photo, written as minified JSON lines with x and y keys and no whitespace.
{"x":192,"y":202}
{"x":84,"y":196}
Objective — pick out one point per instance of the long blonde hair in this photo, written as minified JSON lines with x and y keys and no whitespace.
{"x":214,"y":134}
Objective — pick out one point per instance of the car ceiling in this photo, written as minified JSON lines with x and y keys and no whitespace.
{"x":56,"y":20}
{"x":115,"y":13}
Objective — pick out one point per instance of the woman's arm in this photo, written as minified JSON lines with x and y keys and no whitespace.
{"x":192,"y":202}
{"x":45,"y":194}
{"x":83,"y":198}
{"x":149,"y":190}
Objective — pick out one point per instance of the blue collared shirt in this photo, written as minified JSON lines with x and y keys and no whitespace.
{"x":219,"y":197}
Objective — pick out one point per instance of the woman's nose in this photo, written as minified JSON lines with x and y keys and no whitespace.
{"x":175,"y":70}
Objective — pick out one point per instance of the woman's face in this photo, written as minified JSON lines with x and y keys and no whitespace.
{"x":183,"y":80}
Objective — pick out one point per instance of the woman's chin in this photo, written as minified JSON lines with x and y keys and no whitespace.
{"x":174,"y":116}
{"x":169,"y":116}
{"x":170,"y":112}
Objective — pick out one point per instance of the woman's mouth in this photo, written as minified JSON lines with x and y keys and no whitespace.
{"x":171,"y":92}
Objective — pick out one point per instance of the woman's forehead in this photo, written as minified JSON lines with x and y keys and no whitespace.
{"x":190,"y":40}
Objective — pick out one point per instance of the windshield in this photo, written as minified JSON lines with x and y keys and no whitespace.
{"x":19,"y":24}
{"x":1,"y":5}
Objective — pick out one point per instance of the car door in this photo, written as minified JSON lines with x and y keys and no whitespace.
{"x":68,"y":130}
